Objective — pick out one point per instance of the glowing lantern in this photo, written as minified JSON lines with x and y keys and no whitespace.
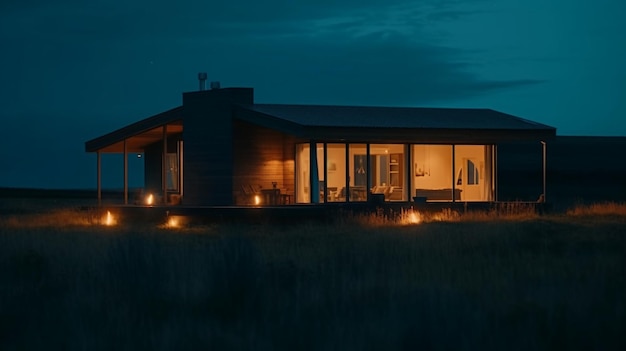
{"x":109,"y":220}
{"x":150,"y":199}
{"x":174,"y":221}
{"x":257,"y":200}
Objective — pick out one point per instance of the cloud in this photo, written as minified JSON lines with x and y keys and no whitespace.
{"x":322,"y":49}
{"x":382,"y":68}
{"x":98,"y":65}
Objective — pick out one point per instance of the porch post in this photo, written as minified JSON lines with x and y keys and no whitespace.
{"x":125,"y":173}
{"x":181,"y":165}
{"x":163,"y":165}
{"x":494,"y":156}
{"x":544,"y":151}
{"x":99,"y":177}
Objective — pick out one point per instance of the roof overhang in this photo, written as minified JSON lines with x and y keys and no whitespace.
{"x":476,"y":126}
{"x":139,"y":135}
{"x":356,"y":132}
{"x":430,"y":136}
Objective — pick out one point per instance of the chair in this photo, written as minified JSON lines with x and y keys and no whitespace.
{"x":248,"y":193}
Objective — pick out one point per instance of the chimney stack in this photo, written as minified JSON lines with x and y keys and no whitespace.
{"x":202,"y":80}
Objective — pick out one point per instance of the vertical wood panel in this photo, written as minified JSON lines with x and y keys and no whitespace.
{"x":261,"y":156}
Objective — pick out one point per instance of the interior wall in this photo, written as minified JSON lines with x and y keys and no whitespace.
{"x":432,"y":166}
{"x":336,"y":166}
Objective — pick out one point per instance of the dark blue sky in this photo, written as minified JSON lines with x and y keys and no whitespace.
{"x":73,"y":70}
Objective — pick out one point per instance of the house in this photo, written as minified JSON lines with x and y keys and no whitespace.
{"x":220,"y":148}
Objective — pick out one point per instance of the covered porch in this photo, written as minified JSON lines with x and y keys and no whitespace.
{"x":158,"y":140}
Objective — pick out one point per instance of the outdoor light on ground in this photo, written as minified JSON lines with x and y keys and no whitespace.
{"x":108,"y":219}
{"x":175,"y":222}
{"x":411,"y":217}
{"x":257,"y":200}
{"x":150,"y":199}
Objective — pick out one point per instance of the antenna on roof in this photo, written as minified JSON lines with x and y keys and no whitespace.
{"x":202,"y":76}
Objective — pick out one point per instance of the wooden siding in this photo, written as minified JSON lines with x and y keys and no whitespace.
{"x":289,"y":165}
{"x":261,"y":156}
{"x":208,"y":135}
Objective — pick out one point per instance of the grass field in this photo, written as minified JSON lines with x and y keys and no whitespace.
{"x":452,"y":282}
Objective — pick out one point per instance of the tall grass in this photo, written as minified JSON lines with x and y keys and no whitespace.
{"x":599,"y":209}
{"x":499,"y":212}
{"x":544,"y":283}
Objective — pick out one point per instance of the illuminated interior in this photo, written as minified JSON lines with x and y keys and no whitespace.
{"x":394,"y":172}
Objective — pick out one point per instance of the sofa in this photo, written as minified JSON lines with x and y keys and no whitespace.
{"x":438,"y":194}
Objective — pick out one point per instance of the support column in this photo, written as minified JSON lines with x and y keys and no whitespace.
{"x":453,"y":171}
{"x":544,"y":151}
{"x":99,"y":177}
{"x":408,"y":183}
{"x":325,"y":190}
{"x":348,"y":165}
{"x":314,"y":176}
{"x":125,"y":173}
{"x":368,"y":175}
{"x":495,"y":172}
{"x":181,"y":164}
{"x":163,"y":165}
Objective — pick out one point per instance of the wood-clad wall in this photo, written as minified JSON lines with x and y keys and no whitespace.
{"x":208,"y":136}
{"x":289,"y":165}
{"x":261,"y":156}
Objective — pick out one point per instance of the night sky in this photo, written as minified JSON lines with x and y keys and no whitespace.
{"x":73,"y":70}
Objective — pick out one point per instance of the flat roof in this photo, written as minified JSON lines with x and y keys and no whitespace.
{"x":395,"y":117}
{"x":395,"y":124}
{"x":346,"y":123}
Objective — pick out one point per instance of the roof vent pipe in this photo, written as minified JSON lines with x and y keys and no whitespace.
{"x":202,"y":80}
{"x":215,"y":85}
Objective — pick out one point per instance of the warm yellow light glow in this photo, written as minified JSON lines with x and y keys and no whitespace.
{"x":175,"y":222}
{"x":412,"y":217}
{"x":257,"y":200}
{"x":150,"y":199}
{"x":108,"y":219}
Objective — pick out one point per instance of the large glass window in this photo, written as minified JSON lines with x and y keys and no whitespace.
{"x":309,"y":175}
{"x":434,"y":172}
{"x":303,"y":177}
{"x":336,"y":172}
{"x":431,"y":172}
{"x":171,"y":167}
{"x":358,"y":187}
{"x":388,"y":171}
{"x":473,"y":169}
